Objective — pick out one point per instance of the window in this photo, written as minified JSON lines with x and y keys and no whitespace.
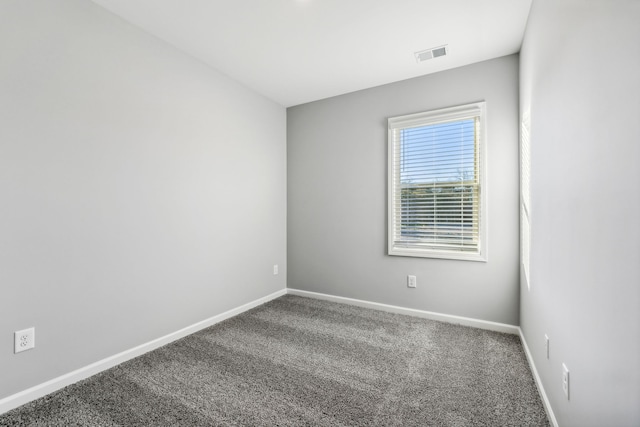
{"x":525,"y":194}
{"x":436,"y":185}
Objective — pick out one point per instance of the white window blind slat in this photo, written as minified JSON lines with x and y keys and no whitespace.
{"x":525,"y":193}
{"x":435,"y":184}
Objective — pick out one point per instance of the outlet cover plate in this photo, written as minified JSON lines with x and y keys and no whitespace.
{"x":565,"y":380}
{"x":24,"y":340}
{"x":546,"y":344}
{"x":411,"y":281}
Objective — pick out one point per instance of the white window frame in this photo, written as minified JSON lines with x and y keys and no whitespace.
{"x":477,"y":109}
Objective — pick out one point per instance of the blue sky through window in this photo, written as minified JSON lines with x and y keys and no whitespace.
{"x":439,"y":153}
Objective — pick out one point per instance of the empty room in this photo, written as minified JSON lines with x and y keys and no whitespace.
{"x":320,"y":212}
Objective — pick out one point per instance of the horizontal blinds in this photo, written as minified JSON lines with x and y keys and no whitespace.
{"x":526,"y":243}
{"x":441,"y":116}
{"x":436,"y":195}
{"x":525,"y":193}
{"x":525,"y":162}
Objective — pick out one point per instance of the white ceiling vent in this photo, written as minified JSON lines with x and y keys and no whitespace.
{"x":434,"y":52}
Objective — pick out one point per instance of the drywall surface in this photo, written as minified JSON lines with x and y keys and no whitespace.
{"x":141,"y":191}
{"x":337,"y":197}
{"x":580,"y":66}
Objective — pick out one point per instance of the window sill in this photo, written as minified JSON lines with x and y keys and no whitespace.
{"x":426,"y":253}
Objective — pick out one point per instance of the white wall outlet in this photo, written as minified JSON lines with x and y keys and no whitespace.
{"x":275,"y":269}
{"x":411,"y":281}
{"x":24,"y":340}
{"x":546,"y":345}
{"x":565,"y":380}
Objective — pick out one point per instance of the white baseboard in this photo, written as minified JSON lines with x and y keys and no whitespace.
{"x":466,"y":321}
{"x":536,"y":377}
{"x":41,"y":390}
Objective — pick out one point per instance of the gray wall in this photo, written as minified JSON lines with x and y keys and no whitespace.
{"x":580,"y":66}
{"x":337,"y":197}
{"x":141,"y":190}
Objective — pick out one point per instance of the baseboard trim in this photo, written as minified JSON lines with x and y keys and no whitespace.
{"x":466,"y":321}
{"x":545,"y":399}
{"x":41,"y":390}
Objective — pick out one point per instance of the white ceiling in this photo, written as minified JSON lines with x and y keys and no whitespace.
{"x":297,"y":51}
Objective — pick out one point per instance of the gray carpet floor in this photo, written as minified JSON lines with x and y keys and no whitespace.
{"x":297,"y":361}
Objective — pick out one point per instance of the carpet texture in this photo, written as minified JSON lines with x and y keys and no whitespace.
{"x":297,"y":361}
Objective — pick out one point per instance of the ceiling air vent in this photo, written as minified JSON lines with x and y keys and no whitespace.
{"x":434,"y":52}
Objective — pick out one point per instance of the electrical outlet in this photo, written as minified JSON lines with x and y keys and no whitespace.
{"x":24,"y":340}
{"x":546,"y":344}
{"x":411,"y":281}
{"x":565,"y":380}
{"x":275,"y":269}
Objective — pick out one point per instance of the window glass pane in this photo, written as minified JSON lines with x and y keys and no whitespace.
{"x":438,"y":183}
{"x":435,"y":195}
